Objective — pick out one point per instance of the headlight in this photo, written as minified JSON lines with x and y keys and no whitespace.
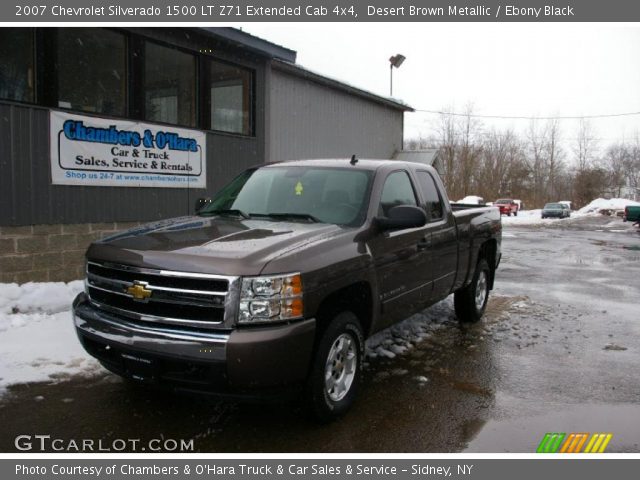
{"x":270,"y":298}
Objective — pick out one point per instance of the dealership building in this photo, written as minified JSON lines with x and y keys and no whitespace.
{"x":105,"y":128}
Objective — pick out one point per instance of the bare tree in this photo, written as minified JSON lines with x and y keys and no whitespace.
{"x":632,"y":167}
{"x":469,"y":151}
{"x":554,"y":156}
{"x":446,"y":133}
{"x":537,"y":161}
{"x":586,"y":145}
{"x":616,"y":159}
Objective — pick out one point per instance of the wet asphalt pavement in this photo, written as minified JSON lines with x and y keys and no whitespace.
{"x":557,"y":351}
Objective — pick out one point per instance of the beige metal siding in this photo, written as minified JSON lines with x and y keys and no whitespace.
{"x":309,"y":120}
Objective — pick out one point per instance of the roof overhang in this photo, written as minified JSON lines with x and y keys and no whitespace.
{"x":302,"y":72}
{"x":249,"y":42}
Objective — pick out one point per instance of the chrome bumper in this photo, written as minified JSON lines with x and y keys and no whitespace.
{"x":160,"y":341}
{"x":244,"y":358}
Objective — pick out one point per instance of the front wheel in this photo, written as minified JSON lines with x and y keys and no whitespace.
{"x":336,"y":371}
{"x":470,"y":302}
{"x":515,"y":213}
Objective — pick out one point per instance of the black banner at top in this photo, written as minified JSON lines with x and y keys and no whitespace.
{"x":233,"y":11}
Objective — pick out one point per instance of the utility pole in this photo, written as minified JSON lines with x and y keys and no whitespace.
{"x":394,"y":61}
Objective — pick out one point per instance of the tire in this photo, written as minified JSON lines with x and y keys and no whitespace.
{"x":508,"y":214}
{"x":515,"y":213}
{"x":469,"y":303}
{"x":344,"y":341}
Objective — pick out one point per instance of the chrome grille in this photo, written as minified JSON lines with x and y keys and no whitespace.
{"x":174,"y":298}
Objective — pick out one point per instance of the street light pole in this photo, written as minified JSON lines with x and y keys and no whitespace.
{"x":391,"y":80}
{"x":394,"y":61}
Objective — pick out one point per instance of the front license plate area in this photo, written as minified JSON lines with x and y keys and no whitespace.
{"x":139,"y":368}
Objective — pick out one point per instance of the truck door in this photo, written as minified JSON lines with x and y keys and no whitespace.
{"x":399,"y":255}
{"x":441,"y":237}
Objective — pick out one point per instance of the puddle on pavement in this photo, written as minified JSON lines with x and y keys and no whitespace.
{"x":434,"y":397}
{"x":523,"y":435}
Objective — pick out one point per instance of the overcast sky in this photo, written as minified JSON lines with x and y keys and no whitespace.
{"x":503,"y":69}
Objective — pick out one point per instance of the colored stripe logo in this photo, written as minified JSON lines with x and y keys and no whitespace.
{"x":574,"y":442}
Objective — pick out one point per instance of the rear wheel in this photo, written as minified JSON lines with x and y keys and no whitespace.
{"x":336,"y":372}
{"x":470,"y":302}
{"x":515,"y":213}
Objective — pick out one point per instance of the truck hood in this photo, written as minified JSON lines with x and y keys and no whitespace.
{"x":219,"y":245}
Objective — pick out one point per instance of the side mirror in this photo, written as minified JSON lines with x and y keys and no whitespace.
{"x":201,"y":203}
{"x":403,"y":216}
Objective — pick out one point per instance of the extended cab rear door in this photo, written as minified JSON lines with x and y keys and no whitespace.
{"x":441,"y":235}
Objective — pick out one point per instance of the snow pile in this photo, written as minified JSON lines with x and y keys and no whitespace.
{"x":37,"y":297}
{"x":37,"y":338}
{"x":527,"y":217}
{"x":472,"y":199}
{"x":602,"y":204}
{"x":403,"y":336}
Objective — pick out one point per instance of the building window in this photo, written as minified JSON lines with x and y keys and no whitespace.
{"x":91,"y":70}
{"x":16,"y":59}
{"x":169,"y":85}
{"x":231,"y":102}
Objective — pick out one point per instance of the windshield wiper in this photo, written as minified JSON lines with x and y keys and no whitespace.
{"x":236,"y":212}
{"x":291,"y":216}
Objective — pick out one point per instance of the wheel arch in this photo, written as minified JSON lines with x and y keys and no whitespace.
{"x":356,"y":298}
{"x":488,"y":251}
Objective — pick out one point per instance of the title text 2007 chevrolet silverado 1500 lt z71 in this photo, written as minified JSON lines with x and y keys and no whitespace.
{"x":278,"y":280}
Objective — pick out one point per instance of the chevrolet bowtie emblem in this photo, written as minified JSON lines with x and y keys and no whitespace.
{"x":139,"y":291}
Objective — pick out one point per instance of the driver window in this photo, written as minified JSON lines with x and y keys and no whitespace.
{"x":397,"y":190}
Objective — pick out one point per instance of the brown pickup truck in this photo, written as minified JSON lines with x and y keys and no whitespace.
{"x":277,"y":280}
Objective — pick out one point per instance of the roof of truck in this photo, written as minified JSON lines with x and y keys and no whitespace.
{"x":362,"y":163}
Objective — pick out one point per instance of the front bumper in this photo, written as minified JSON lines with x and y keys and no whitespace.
{"x":237,"y":362}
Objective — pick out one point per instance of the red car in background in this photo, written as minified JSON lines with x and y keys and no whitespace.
{"x":507,"y":206}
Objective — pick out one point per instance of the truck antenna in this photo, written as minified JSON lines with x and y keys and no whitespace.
{"x":354,"y":160}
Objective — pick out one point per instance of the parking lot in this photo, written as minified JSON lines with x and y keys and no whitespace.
{"x":556,"y":352}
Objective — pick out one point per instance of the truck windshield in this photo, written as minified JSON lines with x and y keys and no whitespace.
{"x":296,"y":193}
{"x":504,"y":200}
{"x":553,"y":206}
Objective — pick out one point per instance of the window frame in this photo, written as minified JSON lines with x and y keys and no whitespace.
{"x":207,"y":101}
{"x":51,"y":95}
{"x":141,"y":84}
{"x":35,"y":73}
{"x":384,"y":183}
{"x":45,"y":93}
{"x":424,"y":197}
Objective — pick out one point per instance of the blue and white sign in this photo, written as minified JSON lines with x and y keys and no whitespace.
{"x":119,"y":153}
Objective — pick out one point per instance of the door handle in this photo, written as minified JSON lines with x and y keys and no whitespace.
{"x":424,"y":243}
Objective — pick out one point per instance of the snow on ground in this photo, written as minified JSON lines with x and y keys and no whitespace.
{"x":38,"y":341}
{"x":531,"y":217}
{"x":602,"y":204}
{"x":37,"y":338}
{"x":403,"y":336}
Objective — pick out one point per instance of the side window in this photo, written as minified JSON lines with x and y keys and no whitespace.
{"x":397,"y":190}
{"x":433,"y":202}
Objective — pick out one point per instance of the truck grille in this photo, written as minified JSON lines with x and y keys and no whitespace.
{"x":159,"y":296}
